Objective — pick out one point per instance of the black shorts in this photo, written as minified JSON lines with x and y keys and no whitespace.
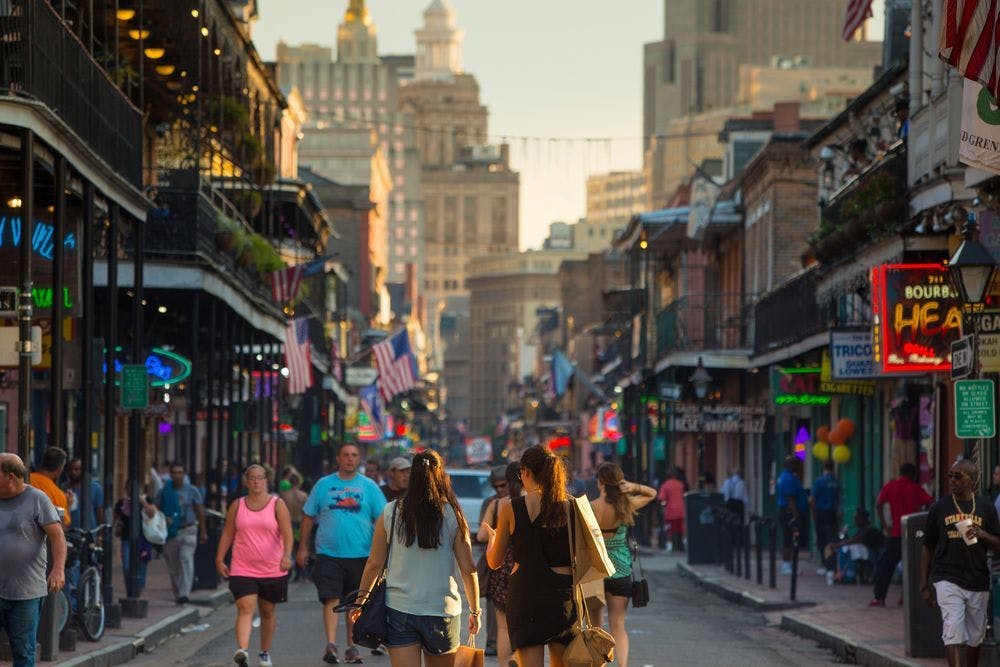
{"x":336,"y":578}
{"x":274,"y":590}
{"x":789,"y":525}
{"x":620,"y":586}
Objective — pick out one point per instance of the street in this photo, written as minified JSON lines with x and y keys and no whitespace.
{"x":683,"y":625}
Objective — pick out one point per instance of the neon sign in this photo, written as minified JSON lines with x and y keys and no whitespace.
{"x":42,"y":236}
{"x":798,"y":386}
{"x":917,"y":315}
{"x":164,"y":367}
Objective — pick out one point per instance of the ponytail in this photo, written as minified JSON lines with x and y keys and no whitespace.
{"x":550,"y":473}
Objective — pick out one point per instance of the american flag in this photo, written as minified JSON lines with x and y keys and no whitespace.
{"x":858,"y":11}
{"x":397,"y":367}
{"x":298,"y":357}
{"x":285,"y":283}
{"x":969,"y":40}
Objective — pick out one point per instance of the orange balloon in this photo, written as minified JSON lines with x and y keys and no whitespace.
{"x":823,"y":434}
{"x":846,"y":426}
{"x":837,"y":437}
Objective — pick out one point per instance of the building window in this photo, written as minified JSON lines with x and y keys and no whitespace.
{"x":470,"y":215}
{"x":669,"y":66}
{"x":498,"y":220}
{"x":450,"y":219}
{"x":720,"y":16}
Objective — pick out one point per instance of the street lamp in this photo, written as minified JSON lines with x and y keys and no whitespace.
{"x":972,"y":268}
{"x":700,"y":379}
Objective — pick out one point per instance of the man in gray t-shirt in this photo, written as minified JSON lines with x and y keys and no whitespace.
{"x":27,"y":517}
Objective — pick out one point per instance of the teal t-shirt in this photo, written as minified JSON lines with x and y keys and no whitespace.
{"x":345,"y":511}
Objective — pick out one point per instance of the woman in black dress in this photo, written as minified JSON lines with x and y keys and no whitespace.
{"x":540,"y":610}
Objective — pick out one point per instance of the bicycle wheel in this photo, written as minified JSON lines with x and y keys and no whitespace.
{"x":90,"y":605}
{"x":62,"y":609}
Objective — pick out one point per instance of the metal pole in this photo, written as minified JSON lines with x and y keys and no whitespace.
{"x":211,"y":458}
{"x":58,"y":279}
{"x":194,"y":400}
{"x":110,"y":408}
{"x":86,"y":446}
{"x":24,"y":306}
{"x":772,"y":574}
{"x":135,"y":418}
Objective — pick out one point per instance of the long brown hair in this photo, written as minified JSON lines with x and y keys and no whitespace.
{"x":550,"y":473}
{"x":611,"y":475}
{"x":421,"y":512}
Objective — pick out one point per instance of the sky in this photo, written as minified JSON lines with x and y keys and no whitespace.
{"x":562,"y":80}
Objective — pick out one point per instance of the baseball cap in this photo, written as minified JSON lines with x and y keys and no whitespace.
{"x":498,"y":474}
{"x":399,"y":463}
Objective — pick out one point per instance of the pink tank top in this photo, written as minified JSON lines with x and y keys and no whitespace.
{"x":257,"y":545}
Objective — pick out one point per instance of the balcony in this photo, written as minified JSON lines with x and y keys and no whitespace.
{"x":41,"y":59}
{"x":787,"y":315}
{"x":934,"y":133}
{"x":712,"y":321}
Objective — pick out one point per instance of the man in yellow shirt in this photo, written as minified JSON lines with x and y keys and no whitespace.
{"x":45,"y":480}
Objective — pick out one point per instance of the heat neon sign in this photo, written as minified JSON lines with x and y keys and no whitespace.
{"x":917,"y":315}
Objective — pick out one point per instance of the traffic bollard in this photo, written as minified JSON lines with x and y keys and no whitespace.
{"x":746,"y":551}
{"x":794,"y":527}
{"x":772,"y":527}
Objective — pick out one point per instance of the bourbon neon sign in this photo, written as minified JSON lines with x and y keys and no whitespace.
{"x":917,"y":315}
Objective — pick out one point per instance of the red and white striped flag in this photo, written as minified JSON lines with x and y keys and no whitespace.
{"x":298,"y":356}
{"x":397,"y":367}
{"x":969,"y":40}
{"x":285,"y":283}
{"x":858,"y":11}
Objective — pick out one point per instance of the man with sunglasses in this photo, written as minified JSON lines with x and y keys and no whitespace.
{"x":960,"y":528}
{"x":498,"y":480}
{"x":902,"y":496}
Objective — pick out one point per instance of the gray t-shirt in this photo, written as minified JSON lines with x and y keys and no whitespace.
{"x":23,"y":556}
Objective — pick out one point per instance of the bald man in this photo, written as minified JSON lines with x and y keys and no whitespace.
{"x":27,"y":517}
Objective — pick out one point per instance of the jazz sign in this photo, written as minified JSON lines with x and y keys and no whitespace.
{"x":917,"y":316}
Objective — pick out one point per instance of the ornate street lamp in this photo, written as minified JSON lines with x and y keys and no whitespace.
{"x":972,"y":268}
{"x":700,"y":379}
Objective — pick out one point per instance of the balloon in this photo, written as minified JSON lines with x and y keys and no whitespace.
{"x":841,"y":454}
{"x":846,"y":426}
{"x":821,"y":450}
{"x":837,"y":437}
{"x":823,"y":434}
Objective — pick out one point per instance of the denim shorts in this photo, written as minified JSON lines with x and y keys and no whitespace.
{"x":436,"y":634}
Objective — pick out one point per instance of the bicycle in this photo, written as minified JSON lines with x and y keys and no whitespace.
{"x":89,"y":609}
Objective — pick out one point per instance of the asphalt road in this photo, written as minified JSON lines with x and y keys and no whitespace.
{"x":682,"y":626}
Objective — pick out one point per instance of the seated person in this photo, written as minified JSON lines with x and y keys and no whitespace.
{"x":863,"y":546}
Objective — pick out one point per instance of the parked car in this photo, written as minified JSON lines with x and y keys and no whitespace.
{"x":471,"y":487}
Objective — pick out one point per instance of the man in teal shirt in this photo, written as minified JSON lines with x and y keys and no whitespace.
{"x":344,"y":506}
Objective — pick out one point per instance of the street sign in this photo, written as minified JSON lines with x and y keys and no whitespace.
{"x":962,"y":357}
{"x":669,"y":391}
{"x":135,"y":387}
{"x":361,"y":376}
{"x":975,"y":409}
{"x":478,"y":450}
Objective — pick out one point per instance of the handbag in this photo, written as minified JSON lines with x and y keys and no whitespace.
{"x":470,"y":656}
{"x":371,"y":627}
{"x":591,"y":646}
{"x":640,"y":587}
{"x":482,"y":566}
{"x":154,"y":528}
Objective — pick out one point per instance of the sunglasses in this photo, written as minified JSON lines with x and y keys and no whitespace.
{"x":955,"y":475}
{"x":500,"y":485}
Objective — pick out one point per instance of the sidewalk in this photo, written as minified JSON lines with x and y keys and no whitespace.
{"x":164,"y":620}
{"x":838,"y":616}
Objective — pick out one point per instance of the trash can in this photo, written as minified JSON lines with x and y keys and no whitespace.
{"x":922,"y":624}
{"x":702,"y":527}
{"x":205,"y":574}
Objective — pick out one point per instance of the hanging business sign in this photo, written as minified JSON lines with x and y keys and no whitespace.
{"x":798,"y":386}
{"x":917,"y":316}
{"x":988,"y":340}
{"x":829,"y":385}
{"x":852,"y":355}
{"x":696,"y":418}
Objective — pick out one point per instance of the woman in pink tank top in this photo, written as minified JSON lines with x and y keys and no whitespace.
{"x":259,"y":530}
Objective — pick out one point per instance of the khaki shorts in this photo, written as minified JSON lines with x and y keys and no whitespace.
{"x":963,"y":614}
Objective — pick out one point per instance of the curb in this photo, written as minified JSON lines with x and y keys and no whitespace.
{"x":213,"y":599}
{"x":159,"y":632}
{"x":848,"y":651}
{"x":742,"y":598}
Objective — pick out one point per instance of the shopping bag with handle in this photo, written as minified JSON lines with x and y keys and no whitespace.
{"x":469,"y":655}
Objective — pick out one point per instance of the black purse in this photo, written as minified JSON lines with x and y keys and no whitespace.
{"x":371,"y":627}
{"x":640,"y":588}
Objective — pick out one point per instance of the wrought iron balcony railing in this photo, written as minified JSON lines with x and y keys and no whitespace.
{"x":788,"y":314}
{"x":41,"y":59}
{"x":703,"y":322}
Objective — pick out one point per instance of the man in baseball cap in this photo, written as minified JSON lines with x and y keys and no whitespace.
{"x":399,"y":479}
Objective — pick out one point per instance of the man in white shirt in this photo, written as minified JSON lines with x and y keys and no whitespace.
{"x":734,"y":493}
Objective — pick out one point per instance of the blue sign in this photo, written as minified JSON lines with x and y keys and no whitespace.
{"x":42,"y":236}
{"x":852,"y":355}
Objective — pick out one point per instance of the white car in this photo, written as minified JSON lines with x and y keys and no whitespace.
{"x":471,"y":487}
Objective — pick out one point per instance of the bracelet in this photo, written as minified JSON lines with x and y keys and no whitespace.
{"x":476,"y":613}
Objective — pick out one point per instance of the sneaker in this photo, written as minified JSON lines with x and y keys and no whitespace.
{"x":265,"y":659}
{"x":378,"y":651}
{"x":821,"y":571}
{"x":876,"y":603}
{"x":829,"y":577}
{"x":786,"y":568}
{"x":352,"y":656}
{"x":241,"y":657}
{"x":331,"y":656}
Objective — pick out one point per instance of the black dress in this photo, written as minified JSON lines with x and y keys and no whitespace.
{"x":540,"y":605}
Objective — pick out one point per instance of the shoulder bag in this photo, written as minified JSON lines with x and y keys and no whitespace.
{"x":482,"y":566}
{"x":371,"y":627}
{"x":154,"y":528}
{"x":591,"y":646}
{"x":640,"y":587}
